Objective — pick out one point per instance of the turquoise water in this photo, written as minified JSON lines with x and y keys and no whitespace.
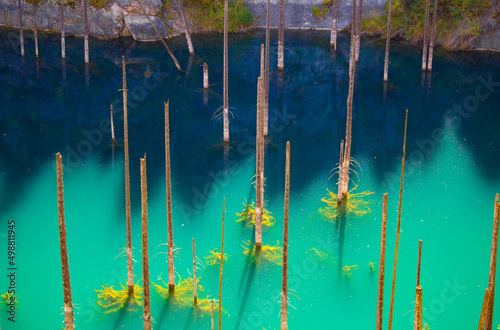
{"x":450,"y":181}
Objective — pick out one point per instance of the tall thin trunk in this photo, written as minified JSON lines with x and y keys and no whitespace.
{"x":419,"y":260}
{"x":493,"y":265}
{"x":85,"y":31}
{"x":353,"y":19}
{"x":63,"y":40}
{"x":259,"y":207}
{"x":381,"y":267}
{"x":266,"y":74}
{"x":21,"y":36}
{"x":433,"y":35}
{"x":284,"y":284}
{"x":426,"y":33}
{"x":226,"y":101}
{"x":186,"y":28}
{"x":130,"y":265}
{"x":221,"y":265}
{"x":358,"y":34}
{"x":341,"y":163}
{"x":205,"y":75}
{"x":262,"y":61}
{"x":36,"y":30}
{"x":146,"y":315}
{"x":170,"y":234}
{"x":418,"y":299}
{"x":398,"y":230}
{"x":112,"y":124}
{"x":281,"y":36}
{"x":387,"y":42}
{"x":195,"y":283}
{"x":212,"y":309}
{"x":68,"y":305}
{"x":333,"y":34}
{"x":484,"y":309}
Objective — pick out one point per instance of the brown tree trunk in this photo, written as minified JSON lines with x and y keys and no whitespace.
{"x":419,"y":259}
{"x":353,"y":19}
{"x":205,"y":75}
{"x":195,"y":284}
{"x":21,"y":37}
{"x":418,"y":309}
{"x":85,"y":31}
{"x":398,"y":230}
{"x":484,"y":309}
{"x":341,"y":163}
{"x":262,"y":61}
{"x":358,"y":34}
{"x":426,"y":33}
{"x":333,"y":34}
{"x":68,"y":305}
{"x":146,"y":315}
{"x":493,"y":265}
{"x":284,"y":284}
{"x":130,"y":266}
{"x":387,"y":43}
{"x":259,"y":202}
{"x":221,"y":265}
{"x":36,"y":30}
{"x":433,"y":35}
{"x":381,"y":267}
{"x":226,"y":101}
{"x":63,"y":39}
{"x":112,"y":124}
{"x":266,"y":75}
{"x":170,"y":234}
{"x":281,"y":36}
{"x":186,"y":28}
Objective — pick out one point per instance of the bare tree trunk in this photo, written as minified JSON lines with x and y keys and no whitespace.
{"x":484,"y":309}
{"x":353,"y":19}
{"x":112,"y":124}
{"x":188,"y":34}
{"x":221,"y":265}
{"x":341,"y":163}
{"x":262,"y":61}
{"x":419,"y":259}
{"x":259,"y":203}
{"x":21,"y":36}
{"x":418,"y":299}
{"x":493,"y":265}
{"x":426,"y":33}
{"x":281,"y":36}
{"x":266,"y":75}
{"x":195,"y":284}
{"x":360,"y":19}
{"x":381,"y":267}
{"x":68,"y":305}
{"x":398,"y":230}
{"x":85,"y":31}
{"x":226,"y":101}
{"x":63,"y":40}
{"x":145,"y":257}
{"x":284,"y":285}
{"x":433,"y":35}
{"x":130,"y":266}
{"x":333,"y":34}
{"x":205,"y":75}
{"x":170,"y":234}
{"x":387,"y":43}
{"x":36,"y":30}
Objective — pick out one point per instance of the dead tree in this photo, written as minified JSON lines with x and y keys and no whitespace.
{"x":333,"y":34}
{"x":387,"y":42}
{"x":433,"y":35}
{"x":186,"y":28}
{"x":426,"y":33}
{"x":226,"y":96}
{"x":281,"y":36}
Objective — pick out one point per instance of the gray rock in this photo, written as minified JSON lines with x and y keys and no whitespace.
{"x":491,"y":41}
{"x":141,"y":28}
{"x":149,"y":7}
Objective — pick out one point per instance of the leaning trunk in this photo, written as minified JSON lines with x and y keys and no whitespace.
{"x":360,"y":19}
{"x":186,"y":29}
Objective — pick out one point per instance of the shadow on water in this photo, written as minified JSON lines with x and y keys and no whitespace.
{"x":121,"y":314}
{"x":246,"y":284}
{"x":164,"y":309}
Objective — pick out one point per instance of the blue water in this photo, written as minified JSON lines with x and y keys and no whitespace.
{"x":451,"y":178}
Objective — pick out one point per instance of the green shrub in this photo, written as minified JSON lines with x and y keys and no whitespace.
{"x":208,"y":15}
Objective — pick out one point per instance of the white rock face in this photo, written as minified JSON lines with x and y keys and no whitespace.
{"x":141,"y":27}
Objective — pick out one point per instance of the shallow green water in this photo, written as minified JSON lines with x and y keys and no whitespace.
{"x":450,"y":183}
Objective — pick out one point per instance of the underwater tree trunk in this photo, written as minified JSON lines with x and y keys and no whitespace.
{"x":341,"y":163}
{"x":259,"y":202}
{"x":284,"y":285}
{"x":358,"y":34}
{"x":130,"y":266}
{"x":212,"y":310}
{"x":281,"y":36}
{"x":381,"y":267}
{"x":484,"y":309}
{"x":418,"y":309}
{"x":419,"y":260}
{"x":433,"y":35}
{"x":186,"y":28}
{"x":85,"y":31}
{"x":266,"y":75}
{"x":68,"y":305}
{"x":493,"y":265}
{"x":398,"y":230}
{"x":205,"y":75}
{"x":21,"y":37}
{"x":194,"y":274}
{"x":145,"y":258}
{"x":63,"y":39}
{"x":226,"y":101}
{"x":387,"y":42}
{"x":36,"y":30}
{"x":333,"y":34}
{"x":113,"y":140}
{"x":221,"y":265}
{"x":426,"y":33}
{"x":170,"y":234}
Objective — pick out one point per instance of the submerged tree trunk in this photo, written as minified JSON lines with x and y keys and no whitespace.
{"x":146,"y":308}
{"x":68,"y":305}
{"x":493,"y":265}
{"x":381,"y":267}
{"x":21,"y":37}
{"x":433,"y":35}
{"x":358,"y":34}
{"x":484,"y":309}
{"x":221,"y":265}
{"x":170,"y":234}
{"x":63,"y":39}
{"x":281,"y":36}
{"x":333,"y":34}
{"x":387,"y":43}
{"x":195,"y":284}
{"x":426,"y":33}
{"x":259,"y":166}
{"x":418,"y":298}
{"x":130,"y":266}
{"x":284,"y":283}
{"x":186,"y":28}
{"x":266,"y":75}
{"x":226,"y":101}
{"x":85,"y":31}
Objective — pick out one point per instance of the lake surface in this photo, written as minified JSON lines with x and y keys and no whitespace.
{"x":451,"y":177}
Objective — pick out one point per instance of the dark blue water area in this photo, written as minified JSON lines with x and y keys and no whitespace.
{"x":46,"y":107}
